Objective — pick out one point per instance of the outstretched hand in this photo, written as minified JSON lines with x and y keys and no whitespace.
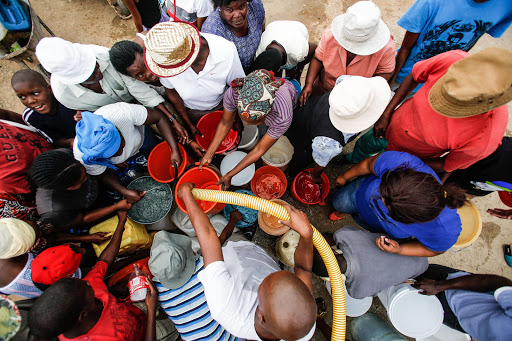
{"x":428,"y":287}
{"x":380,"y":127}
{"x":225,"y":181}
{"x":298,"y":222}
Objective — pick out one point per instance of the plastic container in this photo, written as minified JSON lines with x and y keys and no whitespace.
{"x":250,"y":137}
{"x":158,"y":197}
{"x":135,"y":236}
{"x":370,"y":327}
{"x":207,"y":125}
{"x":124,"y":274}
{"x":285,"y":247}
{"x":506,"y":197}
{"x":268,"y":182}
{"x":13,"y":16}
{"x":306,"y":191}
{"x":138,"y":284}
{"x":446,"y":333}
{"x":354,"y":306}
{"x":471,"y":226}
{"x":159,"y":163}
{"x":412,"y":314}
{"x":270,"y":224}
{"x":249,"y":215}
{"x":204,"y":179}
{"x":280,"y":154}
{"x":230,"y":161}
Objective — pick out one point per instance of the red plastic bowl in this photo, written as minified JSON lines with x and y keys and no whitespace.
{"x":305,"y":191}
{"x":506,"y":198}
{"x":268,"y":182}
{"x":207,"y":125}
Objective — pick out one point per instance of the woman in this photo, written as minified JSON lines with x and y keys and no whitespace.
{"x":67,"y":195}
{"x":398,"y":194}
{"x":257,"y":98}
{"x":239,"y":21}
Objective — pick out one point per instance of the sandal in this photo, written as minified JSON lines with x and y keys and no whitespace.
{"x":508,"y":255}
{"x":321,"y":309}
{"x":334,"y":217}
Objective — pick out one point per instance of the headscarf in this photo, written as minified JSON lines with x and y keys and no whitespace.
{"x":98,"y":139}
{"x":18,"y":237}
{"x":256,"y":93}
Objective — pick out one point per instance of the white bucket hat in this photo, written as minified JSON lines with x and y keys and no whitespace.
{"x":69,"y":63}
{"x":171,"y":47}
{"x":361,"y":30}
{"x":356,"y":103}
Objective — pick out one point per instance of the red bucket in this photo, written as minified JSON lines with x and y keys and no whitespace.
{"x":306,"y":191}
{"x":159,"y":162}
{"x":268,"y":182}
{"x":203,"y":179}
{"x":506,"y":197}
{"x":207,"y":125}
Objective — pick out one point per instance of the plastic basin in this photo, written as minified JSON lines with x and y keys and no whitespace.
{"x":268,"y":182}
{"x":270,"y":224}
{"x":471,"y":225}
{"x":280,"y":154}
{"x":207,"y":125}
{"x":306,"y":191}
{"x":159,"y":162}
{"x":250,"y":137}
{"x":230,"y":161}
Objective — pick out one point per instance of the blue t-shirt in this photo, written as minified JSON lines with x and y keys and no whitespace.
{"x":437,"y":235}
{"x":446,"y":25}
{"x":246,"y":45}
{"x":52,"y":127}
{"x":485,"y":316}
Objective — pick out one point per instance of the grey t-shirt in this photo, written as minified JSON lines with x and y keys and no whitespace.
{"x":369,"y":269}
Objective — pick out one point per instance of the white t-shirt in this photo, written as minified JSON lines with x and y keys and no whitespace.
{"x":293,"y":36}
{"x":231,"y":287}
{"x":190,"y":10}
{"x":129,"y":119}
{"x":205,"y":90}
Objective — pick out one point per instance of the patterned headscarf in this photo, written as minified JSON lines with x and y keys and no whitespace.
{"x":256,"y":93}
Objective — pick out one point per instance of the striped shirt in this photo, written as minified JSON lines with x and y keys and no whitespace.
{"x":188,"y":310}
{"x":280,"y":117}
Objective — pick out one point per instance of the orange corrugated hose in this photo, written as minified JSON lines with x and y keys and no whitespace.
{"x":338,"y":294}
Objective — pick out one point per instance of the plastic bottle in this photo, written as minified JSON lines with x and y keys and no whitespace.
{"x":138,"y":284}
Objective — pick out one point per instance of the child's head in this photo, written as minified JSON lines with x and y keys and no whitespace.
{"x":60,"y":308}
{"x":33,"y":91}
{"x":57,"y":170}
{"x":127,"y":57}
{"x":172,"y":260}
{"x":286,"y":308}
{"x":415,"y":197}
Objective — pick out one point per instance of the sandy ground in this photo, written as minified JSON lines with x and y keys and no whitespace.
{"x":94,"y":22}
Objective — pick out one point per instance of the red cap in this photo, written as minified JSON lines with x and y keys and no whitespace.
{"x":55,"y":263}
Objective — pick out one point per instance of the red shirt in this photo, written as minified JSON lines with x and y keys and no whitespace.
{"x":118,"y":321}
{"x":18,"y":149}
{"x":417,"y":129}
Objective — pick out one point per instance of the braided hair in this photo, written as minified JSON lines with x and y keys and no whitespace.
{"x":56,"y":169}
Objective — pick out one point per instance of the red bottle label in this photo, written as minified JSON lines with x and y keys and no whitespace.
{"x":137,"y":283}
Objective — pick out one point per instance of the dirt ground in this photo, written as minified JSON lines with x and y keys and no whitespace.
{"x":94,"y":22}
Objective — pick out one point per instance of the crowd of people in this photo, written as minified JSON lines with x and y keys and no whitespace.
{"x":429,"y":120}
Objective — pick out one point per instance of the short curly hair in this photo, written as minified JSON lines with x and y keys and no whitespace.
{"x":222,"y":3}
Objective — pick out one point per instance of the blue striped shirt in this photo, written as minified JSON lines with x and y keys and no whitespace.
{"x":188,"y":310}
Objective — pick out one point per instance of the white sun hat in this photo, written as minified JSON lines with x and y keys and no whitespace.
{"x":361,"y":30}
{"x":171,"y":48}
{"x":356,"y":103}
{"x":69,"y":63}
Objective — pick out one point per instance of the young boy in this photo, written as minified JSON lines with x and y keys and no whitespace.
{"x":244,"y":288}
{"x":52,"y":120}
{"x":84,"y":309}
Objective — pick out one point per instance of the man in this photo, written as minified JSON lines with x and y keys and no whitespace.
{"x":245,"y":289}
{"x":480,"y":305}
{"x":460,"y":110}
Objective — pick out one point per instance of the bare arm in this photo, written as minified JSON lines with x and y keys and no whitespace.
{"x":137,"y":20}
{"x":151,"y":303}
{"x":164,"y":126}
{"x":181,"y":132}
{"x":110,"y":180}
{"x":206,"y":235}
{"x":11,"y":116}
{"x":409,"y":248}
{"x":386,"y":76}
{"x":404,"y":52}
{"x":234,"y":217}
{"x":317,"y":173}
{"x":480,"y":283}
{"x":380,"y":127}
{"x":110,"y":252}
{"x":225,"y":124}
{"x":179,"y":105}
{"x":364,"y":167}
{"x":303,"y":256}
{"x":315,"y":66}
{"x":200,"y":22}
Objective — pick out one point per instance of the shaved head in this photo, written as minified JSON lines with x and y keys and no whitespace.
{"x":27,"y":75}
{"x":287,"y":306}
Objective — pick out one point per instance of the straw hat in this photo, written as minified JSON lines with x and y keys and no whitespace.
{"x":171,"y":47}
{"x":69,"y":63}
{"x":361,"y":30}
{"x":474,"y":85}
{"x":357,"y":103}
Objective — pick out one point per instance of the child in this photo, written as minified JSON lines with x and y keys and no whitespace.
{"x":53,"y":121}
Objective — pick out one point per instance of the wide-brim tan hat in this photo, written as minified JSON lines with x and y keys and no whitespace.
{"x":356,"y":103}
{"x":361,"y":30}
{"x":474,"y":85}
{"x":171,"y":48}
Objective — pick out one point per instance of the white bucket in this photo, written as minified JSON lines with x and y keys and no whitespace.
{"x":412,"y":314}
{"x":446,"y":333}
{"x":230,"y":161}
{"x":280,"y":154}
{"x":355,"y":307}
{"x":250,"y":137}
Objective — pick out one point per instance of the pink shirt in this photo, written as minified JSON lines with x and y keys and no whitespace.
{"x":417,"y":129}
{"x":334,"y":58}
